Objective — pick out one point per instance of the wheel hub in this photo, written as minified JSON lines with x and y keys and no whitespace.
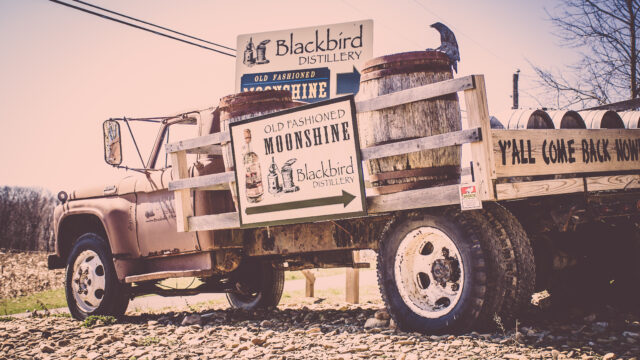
{"x":88,"y":281}
{"x":429,"y":272}
{"x":441,"y":271}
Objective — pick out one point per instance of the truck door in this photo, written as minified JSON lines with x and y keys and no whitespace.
{"x":156,"y":217}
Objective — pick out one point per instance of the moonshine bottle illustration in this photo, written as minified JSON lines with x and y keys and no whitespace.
{"x":273,"y":179}
{"x":253,"y":183}
{"x":287,"y":177}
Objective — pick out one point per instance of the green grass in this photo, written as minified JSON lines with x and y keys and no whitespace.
{"x":94,"y":320}
{"x":51,"y":299}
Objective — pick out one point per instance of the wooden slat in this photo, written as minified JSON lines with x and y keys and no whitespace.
{"x":182,"y":197}
{"x":539,"y":188}
{"x":416,"y":94}
{"x":210,"y":182}
{"x":414,"y":199}
{"x":481,"y":152}
{"x":206,"y":149}
{"x":614,"y":182}
{"x":214,"y":222}
{"x":200,"y":141}
{"x":534,"y":154}
{"x":425,"y":143}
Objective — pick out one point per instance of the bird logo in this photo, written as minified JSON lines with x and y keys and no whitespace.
{"x":448,"y":44}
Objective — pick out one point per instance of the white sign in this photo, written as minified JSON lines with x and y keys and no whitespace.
{"x":315,"y":63}
{"x":299,"y":165}
{"x":469,"y":199}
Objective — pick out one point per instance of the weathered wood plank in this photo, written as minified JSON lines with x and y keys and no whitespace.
{"x":182,"y":197}
{"x":615,"y":182}
{"x":206,"y":149}
{"x":539,"y":188}
{"x":414,"y":199}
{"x":416,"y":94}
{"x":214,"y":222}
{"x":565,"y":151}
{"x":200,"y":141}
{"x":424,"y":143}
{"x":352,"y":285}
{"x":481,"y":154}
{"x":211,"y":182}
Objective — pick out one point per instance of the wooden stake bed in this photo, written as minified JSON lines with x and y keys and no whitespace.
{"x":496,"y":154}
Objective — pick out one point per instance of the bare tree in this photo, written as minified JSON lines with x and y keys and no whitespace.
{"x":605,"y":32}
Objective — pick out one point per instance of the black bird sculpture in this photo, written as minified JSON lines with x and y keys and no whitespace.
{"x":448,"y":45}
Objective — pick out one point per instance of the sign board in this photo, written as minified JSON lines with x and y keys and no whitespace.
{"x":315,"y":63}
{"x":542,"y":152}
{"x":299,"y":165}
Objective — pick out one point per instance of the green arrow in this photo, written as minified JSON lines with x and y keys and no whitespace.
{"x":345,"y":199}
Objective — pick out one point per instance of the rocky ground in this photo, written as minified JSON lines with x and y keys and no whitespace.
{"x":23,"y":273}
{"x":319,"y":331}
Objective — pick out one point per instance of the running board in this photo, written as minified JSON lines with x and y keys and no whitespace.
{"x":161,"y":275}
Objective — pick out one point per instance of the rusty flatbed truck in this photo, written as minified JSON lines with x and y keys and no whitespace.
{"x":440,"y":269}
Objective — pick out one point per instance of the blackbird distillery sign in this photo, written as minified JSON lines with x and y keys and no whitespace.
{"x":315,"y":63}
{"x":299,"y":165}
{"x":540,"y":152}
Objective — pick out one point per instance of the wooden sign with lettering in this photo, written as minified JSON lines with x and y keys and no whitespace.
{"x":544,"y":152}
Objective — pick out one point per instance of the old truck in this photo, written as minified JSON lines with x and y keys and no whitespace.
{"x":451,"y":256}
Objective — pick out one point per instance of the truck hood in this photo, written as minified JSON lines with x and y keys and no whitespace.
{"x":124,"y":186}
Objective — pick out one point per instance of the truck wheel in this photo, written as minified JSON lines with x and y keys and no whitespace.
{"x":91,"y":283}
{"x":258,"y":285}
{"x":523,"y":252}
{"x":502,"y":280}
{"x":431,"y":273}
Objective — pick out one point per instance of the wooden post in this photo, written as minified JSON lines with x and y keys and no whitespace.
{"x":182,"y":197}
{"x":310,"y":282}
{"x":481,"y":152}
{"x":352,"y":287}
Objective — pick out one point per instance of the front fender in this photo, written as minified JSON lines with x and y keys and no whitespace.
{"x":117,"y":215}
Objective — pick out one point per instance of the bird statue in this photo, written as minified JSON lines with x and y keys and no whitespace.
{"x":448,"y":44}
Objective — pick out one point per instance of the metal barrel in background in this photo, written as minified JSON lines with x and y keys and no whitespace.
{"x":427,"y":168}
{"x":631,"y":119}
{"x":602,"y":119}
{"x":521,"y":119}
{"x":567,"y":119}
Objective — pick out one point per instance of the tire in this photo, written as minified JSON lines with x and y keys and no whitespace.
{"x":502,"y":280}
{"x":91,"y":282}
{"x":461,"y":268}
{"x":259,"y":285}
{"x":524,"y":259}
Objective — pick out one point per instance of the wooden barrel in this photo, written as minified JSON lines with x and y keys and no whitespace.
{"x":567,"y":119}
{"x":526,"y":119}
{"x":392,"y":73}
{"x":602,"y":119}
{"x":631,"y":119}
{"x":246,"y":105}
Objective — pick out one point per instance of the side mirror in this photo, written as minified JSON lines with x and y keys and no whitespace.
{"x":112,"y":144}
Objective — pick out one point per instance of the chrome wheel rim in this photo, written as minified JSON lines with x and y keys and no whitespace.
{"x":429,"y":272}
{"x":88,"y":281}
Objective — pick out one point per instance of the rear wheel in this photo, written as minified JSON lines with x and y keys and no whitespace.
{"x":91,"y":284}
{"x":523,"y":256}
{"x":431,"y":273}
{"x":257,"y":285}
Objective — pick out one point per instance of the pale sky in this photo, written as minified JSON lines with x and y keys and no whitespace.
{"x":63,"y":72}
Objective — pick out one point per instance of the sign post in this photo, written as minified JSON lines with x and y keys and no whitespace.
{"x":299,"y":165}
{"x":315,"y":63}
